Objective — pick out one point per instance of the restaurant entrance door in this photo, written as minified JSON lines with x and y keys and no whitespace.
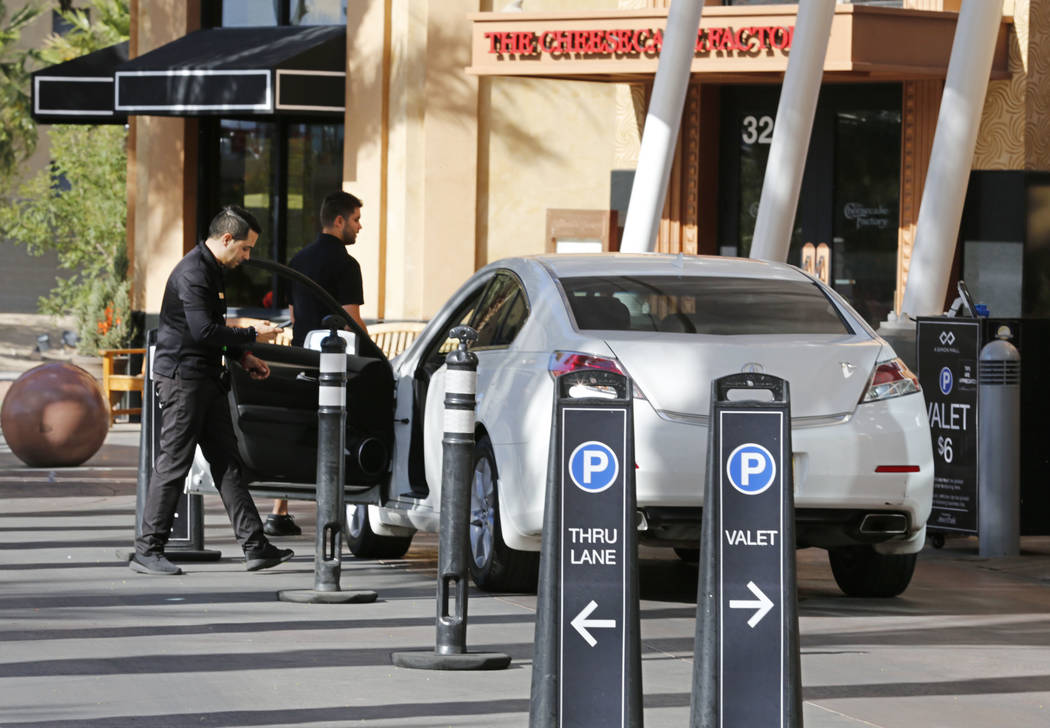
{"x":846,"y":225}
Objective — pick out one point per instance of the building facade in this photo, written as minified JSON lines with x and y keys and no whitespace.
{"x":474,"y":132}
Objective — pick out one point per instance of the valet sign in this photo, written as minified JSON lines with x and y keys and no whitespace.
{"x":948,"y":351}
{"x":751,"y":562}
{"x":593,"y":609}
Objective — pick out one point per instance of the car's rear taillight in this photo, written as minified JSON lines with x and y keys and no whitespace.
{"x":574,"y":362}
{"x":890,"y":379}
{"x":563,"y":362}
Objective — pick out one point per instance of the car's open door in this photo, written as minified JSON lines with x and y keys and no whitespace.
{"x":276,"y":419}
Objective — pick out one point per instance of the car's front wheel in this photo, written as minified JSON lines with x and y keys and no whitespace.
{"x":494,"y":566}
{"x":861,"y":571}
{"x":365,"y":543}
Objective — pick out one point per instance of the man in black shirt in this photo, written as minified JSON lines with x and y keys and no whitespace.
{"x":191,"y":340}
{"x":327,"y":262}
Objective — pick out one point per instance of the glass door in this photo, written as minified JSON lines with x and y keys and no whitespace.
{"x":845,"y":228}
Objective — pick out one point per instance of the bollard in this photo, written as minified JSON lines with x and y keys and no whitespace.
{"x":450,"y":652}
{"x":587,"y":666}
{"x":746,"y":661}
{"x":331,"y":467}
{"x":999,"y":448}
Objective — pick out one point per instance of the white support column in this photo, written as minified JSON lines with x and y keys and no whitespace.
{"x":661,"y":127}
{"x":794,"y":124}
{"x":940,"y":212}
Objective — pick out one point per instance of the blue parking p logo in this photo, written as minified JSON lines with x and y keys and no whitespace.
{"x":751,"y":469}
{"x":593,"y":466}
{"x":944,"y":380}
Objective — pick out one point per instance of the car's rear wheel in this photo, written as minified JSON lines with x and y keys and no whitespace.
{"x":494,"y":566}
{"x":860,"y":571}
{"x":365,"y":543}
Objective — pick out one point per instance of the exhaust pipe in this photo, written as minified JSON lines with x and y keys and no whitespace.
{"x":884,"y":524}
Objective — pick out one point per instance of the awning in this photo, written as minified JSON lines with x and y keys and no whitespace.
{"x":285,"y":70}
{"x":79,"y":91}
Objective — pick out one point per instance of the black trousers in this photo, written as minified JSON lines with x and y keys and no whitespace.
{"x":192,"y":412}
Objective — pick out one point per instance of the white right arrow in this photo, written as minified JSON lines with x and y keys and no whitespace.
{"x":580,"y":623}
{"x":762,"y":605}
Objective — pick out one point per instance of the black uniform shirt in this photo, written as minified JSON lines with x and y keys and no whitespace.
{"x":193,"y":335}
{"x":326,"y":261}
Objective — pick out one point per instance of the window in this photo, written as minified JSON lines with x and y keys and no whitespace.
{"x":279,"y":169}
{"x":282,"y":12}
{"x":701,"y":305}
{"x":501,"y":313}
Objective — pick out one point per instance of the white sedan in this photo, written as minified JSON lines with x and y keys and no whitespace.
{"x":863,"y":463}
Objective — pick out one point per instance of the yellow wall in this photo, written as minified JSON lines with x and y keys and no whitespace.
{"x":455,"y":171}
{"x":157,"y":188}
{"x":546,"y":144}
{"x":411,"y":151}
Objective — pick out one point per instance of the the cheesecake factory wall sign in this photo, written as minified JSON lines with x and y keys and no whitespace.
{"x":628,"y":43}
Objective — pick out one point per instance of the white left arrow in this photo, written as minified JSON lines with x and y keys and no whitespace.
{"x":762,"y":605}
{"x":581,"y":624}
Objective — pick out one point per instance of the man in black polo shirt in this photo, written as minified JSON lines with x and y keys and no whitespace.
{"x":191,"y":340}
{"x":327,"y":262}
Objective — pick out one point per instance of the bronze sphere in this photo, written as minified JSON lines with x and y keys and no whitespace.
{"x":54,"y":416}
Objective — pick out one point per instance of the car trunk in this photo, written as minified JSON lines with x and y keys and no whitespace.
{"x":827,"y":374}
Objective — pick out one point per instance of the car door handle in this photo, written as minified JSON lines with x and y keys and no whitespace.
{"x":304,"y":377}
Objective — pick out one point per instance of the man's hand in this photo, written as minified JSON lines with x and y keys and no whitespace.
{"x":266,"y":332}
{"x":256,"y":367}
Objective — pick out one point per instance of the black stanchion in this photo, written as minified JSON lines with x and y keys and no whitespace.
{"x":331,"y":467}
{"x":746,"y":667}
{"x":186,"y":542}
{"x":587,"y":666}
{"x":450,"y":651}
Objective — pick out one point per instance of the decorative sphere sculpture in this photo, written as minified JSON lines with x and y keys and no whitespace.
{"x":54,"y":416}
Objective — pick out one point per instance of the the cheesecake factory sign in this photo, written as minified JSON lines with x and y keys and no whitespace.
{"x":631,"y":43}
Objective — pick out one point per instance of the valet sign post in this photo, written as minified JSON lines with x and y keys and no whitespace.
{"x":948,"y":350}
{"x":593,"y":565}
{"x":587,"y":668}
{"x":746,"y":664}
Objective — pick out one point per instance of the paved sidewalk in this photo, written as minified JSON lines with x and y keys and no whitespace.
{"x":86,"y":643}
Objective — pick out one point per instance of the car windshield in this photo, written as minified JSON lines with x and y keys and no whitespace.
{"x":702,"y":305}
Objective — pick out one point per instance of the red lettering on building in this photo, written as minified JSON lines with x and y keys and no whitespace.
{"x":744,"y":41}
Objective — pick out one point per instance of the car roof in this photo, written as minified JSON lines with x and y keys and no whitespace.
{"x":654,"y":264}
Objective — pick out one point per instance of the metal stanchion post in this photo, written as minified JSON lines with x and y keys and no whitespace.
{"x":450,"y":652}
{"x":331,"y":466}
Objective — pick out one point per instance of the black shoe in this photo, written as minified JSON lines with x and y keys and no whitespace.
{"x":281,"y":526}
{"x":269,"y":556}
{"x":154,"y":565}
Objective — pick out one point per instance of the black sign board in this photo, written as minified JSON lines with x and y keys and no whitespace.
{"x":751,"y":552}
{"x":746,"y":669}
{"x":595,"y":467}
{"x":947,"y":352}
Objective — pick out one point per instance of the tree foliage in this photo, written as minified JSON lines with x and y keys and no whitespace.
{"x":78,"y":206}
{"x":17,"y":128}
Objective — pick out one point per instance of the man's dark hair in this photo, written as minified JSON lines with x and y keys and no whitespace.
{"x":336,"y":204}
{"x":236,"y":221}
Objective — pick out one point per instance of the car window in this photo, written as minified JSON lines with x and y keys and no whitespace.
{"x":501,"y":313}
{"x":513,"y":320}
{"x":434,"y":356}
{"x":702,"y":305}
